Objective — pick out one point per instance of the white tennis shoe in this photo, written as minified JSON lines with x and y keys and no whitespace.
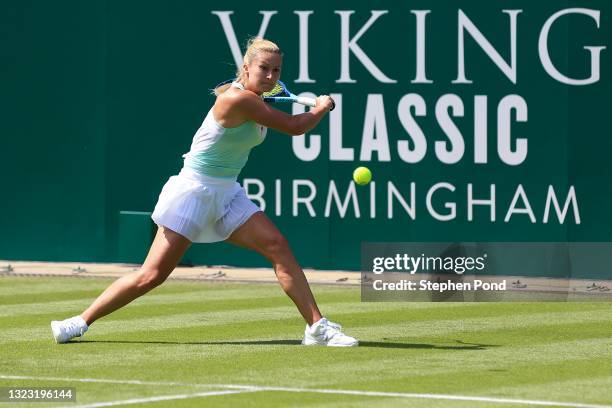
{"x":67,"y":329}
{"x":326,"y":333}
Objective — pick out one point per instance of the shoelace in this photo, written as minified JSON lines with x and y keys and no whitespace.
{"x":334,"y":325}
{"x":72,"y":328}
{"x":333,"y":330}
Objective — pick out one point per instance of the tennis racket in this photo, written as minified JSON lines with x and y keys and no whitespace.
{"x":280,"y":93}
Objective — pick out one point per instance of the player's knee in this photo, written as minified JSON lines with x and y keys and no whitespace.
{"x":276,"y":247}
{"x":150,"y":279}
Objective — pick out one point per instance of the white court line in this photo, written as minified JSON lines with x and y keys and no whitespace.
{"x":247,"y":388}
{"x":108,"y":381}
{"x":160,"y":398}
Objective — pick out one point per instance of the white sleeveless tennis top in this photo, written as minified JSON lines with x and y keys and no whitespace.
{"x":223,"y":152}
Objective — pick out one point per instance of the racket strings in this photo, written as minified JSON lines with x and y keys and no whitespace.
{"x":276,"y":91}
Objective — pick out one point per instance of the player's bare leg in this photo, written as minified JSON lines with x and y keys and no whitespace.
{"x":260,"y":234}
{"x":166,"y":251}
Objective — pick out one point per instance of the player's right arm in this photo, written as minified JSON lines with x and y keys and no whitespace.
{"x":245,"y":105}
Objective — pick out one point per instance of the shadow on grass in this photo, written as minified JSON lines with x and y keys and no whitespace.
{"x":281,"y":342}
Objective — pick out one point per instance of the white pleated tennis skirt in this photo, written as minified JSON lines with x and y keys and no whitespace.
{"x":202,"y":208}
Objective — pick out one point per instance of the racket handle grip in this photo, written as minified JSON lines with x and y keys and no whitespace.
{"x":311,"y":102}
{"x":306,"y":101}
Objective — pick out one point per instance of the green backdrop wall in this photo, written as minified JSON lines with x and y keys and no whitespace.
{"x":100,"y":100}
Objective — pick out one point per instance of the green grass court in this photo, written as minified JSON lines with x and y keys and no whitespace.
{"x":221,"y":344}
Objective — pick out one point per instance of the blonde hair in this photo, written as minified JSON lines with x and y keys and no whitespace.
{"x":255,"y":46}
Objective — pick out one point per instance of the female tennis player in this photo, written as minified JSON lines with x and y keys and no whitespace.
{"x":204,"y":203}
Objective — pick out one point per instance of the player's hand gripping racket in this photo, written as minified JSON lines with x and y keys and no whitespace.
{"x":280,"y":93}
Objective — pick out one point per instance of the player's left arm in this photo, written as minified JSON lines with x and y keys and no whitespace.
{"x":252,"y":107}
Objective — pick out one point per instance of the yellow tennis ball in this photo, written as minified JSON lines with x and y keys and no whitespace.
{"x":362,"y":175}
